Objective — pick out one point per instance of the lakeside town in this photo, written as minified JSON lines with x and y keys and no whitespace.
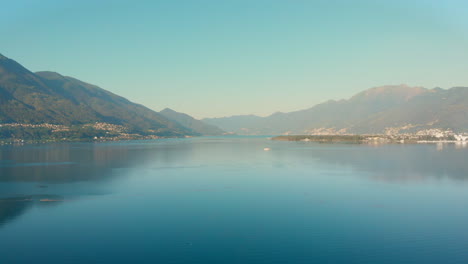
{"x":18,"y":133}
{"x":433,"y":135}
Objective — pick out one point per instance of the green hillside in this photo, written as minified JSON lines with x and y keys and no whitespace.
{"x":48,"y":97}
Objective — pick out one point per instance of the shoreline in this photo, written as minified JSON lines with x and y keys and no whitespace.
{"x":368,"y":139}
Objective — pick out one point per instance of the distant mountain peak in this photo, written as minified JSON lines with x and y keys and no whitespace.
{"x":402,"y":91}
{"x":167,"y":109}
{"x":399,"y":87}
{"x":376,"y":110}
{"x":50,"y":75}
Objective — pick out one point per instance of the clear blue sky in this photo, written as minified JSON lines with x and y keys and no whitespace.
{"x":217,"y":58}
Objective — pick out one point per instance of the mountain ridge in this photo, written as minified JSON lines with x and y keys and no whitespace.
{"x":49,"y":97}
{"x":375,"y":110}
{"x":196,"y":125}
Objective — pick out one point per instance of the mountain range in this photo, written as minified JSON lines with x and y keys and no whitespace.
{"x":48,"y":97}
{"x":51,"y":98}
{"x":385,"y":109}
{"x":195,"y":125}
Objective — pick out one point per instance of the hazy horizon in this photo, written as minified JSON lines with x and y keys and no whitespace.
{"x":212,"y":59}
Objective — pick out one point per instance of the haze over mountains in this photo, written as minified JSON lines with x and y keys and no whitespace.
{"x":48,"y":97}
{"x":386,"y":109}
{"x":189,"y":122}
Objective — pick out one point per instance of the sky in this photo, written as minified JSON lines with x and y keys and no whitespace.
{"x":213,"y":58}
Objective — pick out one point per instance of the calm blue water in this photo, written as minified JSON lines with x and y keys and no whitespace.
{"x":226,"y":200}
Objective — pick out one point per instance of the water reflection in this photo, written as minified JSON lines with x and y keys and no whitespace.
{"x":49,"y":174}
{"x":57,"y":163}
{"x":46,"y":174}
{"x":178,"y":201}
{"x":13,"y":207}
{"x":462,"y":144}
{"x":394,"y":162}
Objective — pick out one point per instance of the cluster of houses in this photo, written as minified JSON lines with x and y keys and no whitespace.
{"x":439,"y":133}
{"x":44,"y":125}
{"x":461,"y":137}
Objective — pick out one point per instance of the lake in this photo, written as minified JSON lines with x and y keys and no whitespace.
{"x":227,"y":200}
